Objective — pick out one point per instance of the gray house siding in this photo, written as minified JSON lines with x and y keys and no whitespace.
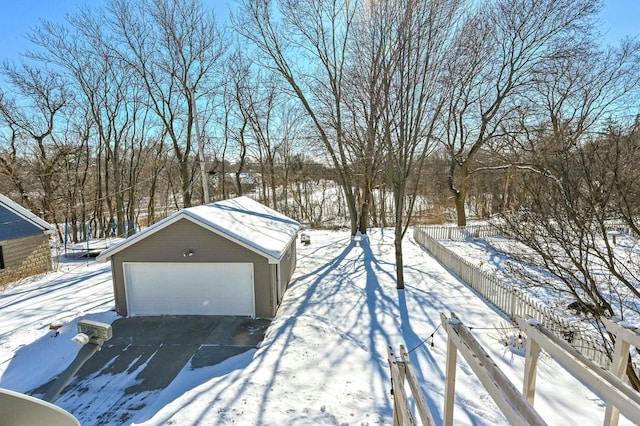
{"x":168,"y":245}
{"x":24,"y":242}
{"x":24,"y":257}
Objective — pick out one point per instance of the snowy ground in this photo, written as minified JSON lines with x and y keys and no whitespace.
{"x":498,"y":256}
{"x":323,"y":360}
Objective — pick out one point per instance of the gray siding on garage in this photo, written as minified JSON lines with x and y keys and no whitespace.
{"x":169,"y":244}
{"x":287,"y":267}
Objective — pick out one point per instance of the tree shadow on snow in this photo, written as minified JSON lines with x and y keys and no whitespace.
{"x":282,"y":331}
{"x":46,"y":357}
{"x":314,"y":297}
{"x":412,"y":341}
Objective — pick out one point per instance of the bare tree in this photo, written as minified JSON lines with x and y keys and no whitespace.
{"x":10,"y":158}
{"x":492,"y":67}
{"x":576,"y":181}
{"x":174,"y":47}
{"x":75,"y":174}
{"x":564,"y":219}
{"x":420,"y":34}
{"x":237,"y":97}
{"x":272,"y":120}
{"x":108,"y":92}
{"x":366,"y":96}
{"x":157,"y":164}
{"x":43,"y":95}
{"x":308,"y":47}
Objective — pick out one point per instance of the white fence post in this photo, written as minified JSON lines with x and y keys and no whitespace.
{"x":450,"y":383}
{"x":514,"y":304}
{"x":610,"y":388}
{"x":510,"y":401}
{"x":401,"y":412}
{"x":624,"y":338}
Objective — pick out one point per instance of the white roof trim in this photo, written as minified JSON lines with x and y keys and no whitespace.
{"x":26,"y":214}
{"x":105,"y":255}
{"x":198,"y":220}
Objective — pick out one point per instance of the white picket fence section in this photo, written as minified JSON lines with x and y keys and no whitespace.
{"x":513,"y":302}
{"x":456,"y":233}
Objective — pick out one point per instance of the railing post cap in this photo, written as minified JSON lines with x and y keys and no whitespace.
{"x":533,"y":322}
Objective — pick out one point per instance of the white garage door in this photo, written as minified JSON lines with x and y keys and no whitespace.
{"x":189,"y":288}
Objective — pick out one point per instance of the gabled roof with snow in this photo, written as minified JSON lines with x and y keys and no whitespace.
{"x":18,"y":222}
{"x":242,"y":220}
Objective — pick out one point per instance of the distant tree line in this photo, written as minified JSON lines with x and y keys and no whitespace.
{"x":377,"y":110}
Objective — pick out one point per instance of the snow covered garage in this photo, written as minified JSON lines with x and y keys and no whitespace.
{"x":233,"y":257}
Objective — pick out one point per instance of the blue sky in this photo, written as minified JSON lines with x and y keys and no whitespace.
{"x":18,"y":16}
{"x":620,"y":18}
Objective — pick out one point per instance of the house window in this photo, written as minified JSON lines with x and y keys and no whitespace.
{"x":1,"y":259}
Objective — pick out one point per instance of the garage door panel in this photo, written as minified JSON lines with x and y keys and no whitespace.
{"x":189,"y":288}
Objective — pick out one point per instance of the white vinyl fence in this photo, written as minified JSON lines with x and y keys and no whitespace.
{"x":513,"y":302}
{"x":457,"y":232}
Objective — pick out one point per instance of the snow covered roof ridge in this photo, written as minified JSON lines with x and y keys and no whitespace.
{"x":240,"y":219}
{"x":249,"y":222}
{"x":246,"y":206}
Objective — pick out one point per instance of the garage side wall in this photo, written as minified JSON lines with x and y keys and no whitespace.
{"x":287,"y":267}
{"x":168,"y":245}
